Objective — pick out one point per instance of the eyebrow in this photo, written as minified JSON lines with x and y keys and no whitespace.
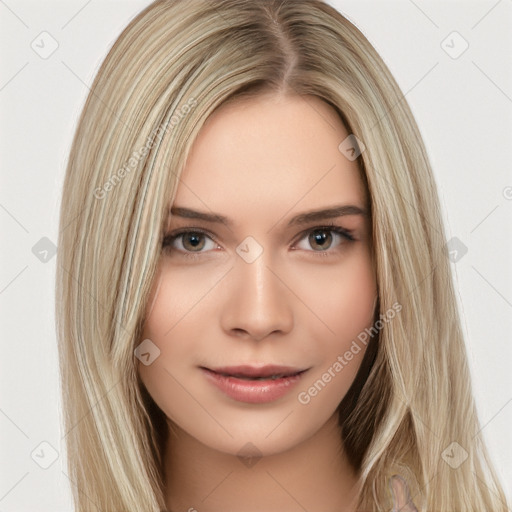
{"x":302,"y":218}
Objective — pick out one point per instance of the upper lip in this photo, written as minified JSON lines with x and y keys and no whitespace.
{"x":267,"y":370}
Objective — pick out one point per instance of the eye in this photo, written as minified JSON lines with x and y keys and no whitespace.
{"x":192,"y":243}
{"x":189,"y":242}
{"x":323,"y":238}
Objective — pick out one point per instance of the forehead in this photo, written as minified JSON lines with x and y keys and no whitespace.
{"x":269,"y":153}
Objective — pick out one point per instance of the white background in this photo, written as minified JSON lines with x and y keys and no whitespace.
{"x":464,"y":110}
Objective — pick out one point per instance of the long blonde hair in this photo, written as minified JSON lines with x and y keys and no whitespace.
{"x":173,"y":65}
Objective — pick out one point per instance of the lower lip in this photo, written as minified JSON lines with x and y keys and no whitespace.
{"x":253,"y":391}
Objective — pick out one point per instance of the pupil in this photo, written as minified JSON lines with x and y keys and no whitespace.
{"x":193,"y":240}
{"x":320,"y":237}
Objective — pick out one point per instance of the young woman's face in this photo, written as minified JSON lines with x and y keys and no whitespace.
{"x":268,"y":286}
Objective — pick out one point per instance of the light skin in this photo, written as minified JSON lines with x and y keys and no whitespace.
{"x":301,"y":303}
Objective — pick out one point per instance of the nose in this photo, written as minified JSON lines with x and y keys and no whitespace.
{"x":258,"y":302}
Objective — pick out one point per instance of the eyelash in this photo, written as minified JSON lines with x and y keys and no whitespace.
{"x":169,"y":239}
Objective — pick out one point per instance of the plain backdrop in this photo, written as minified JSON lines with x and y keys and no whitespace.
{"x":452,"y":62}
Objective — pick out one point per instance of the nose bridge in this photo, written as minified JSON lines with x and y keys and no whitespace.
{"x":258,"y":302}
{"x":259,"y":287}
{"x":262,"y":282}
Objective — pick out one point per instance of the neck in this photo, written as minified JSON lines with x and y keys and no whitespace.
{"x":314,"y":475}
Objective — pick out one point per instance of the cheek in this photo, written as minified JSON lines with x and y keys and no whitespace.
{"x":342,"y":298}
{"x":175,"y":299}
{"x":170,"y":327}
{"x":352,"y":308}
{"x":355,"y":316}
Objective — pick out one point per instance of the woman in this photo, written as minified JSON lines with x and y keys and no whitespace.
{"x":255,"y":304}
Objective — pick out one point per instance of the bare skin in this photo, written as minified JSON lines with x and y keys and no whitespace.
{"x":299,"y":303}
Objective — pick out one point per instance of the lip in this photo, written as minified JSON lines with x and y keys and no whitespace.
{"x":231,"y":382}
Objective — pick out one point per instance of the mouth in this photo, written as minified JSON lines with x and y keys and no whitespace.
{"x":254,"y":384}
{"x":266,"y":372}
